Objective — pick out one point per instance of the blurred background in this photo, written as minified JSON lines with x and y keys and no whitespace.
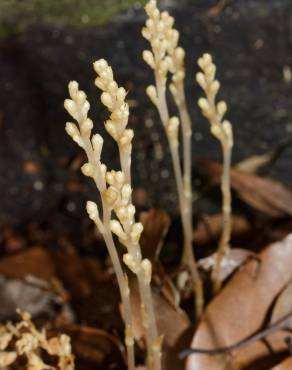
{"x":46,"y":43}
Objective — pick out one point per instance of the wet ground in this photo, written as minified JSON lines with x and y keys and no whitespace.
{"x":40,"y":180}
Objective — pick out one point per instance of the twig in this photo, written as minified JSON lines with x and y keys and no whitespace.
{"x":280,"y":324}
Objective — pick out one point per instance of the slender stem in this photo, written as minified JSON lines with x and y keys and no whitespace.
{"x":187,"y":229}
{"x":224,"y":245}
{"x":112,"y":250}
{"x":147,"y":309}
{"x":123,"y":286}
{"x":184,"y":189}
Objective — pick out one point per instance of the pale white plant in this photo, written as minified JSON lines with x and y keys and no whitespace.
{"x":116,"y":199}
{"x":222,"y":130}
{"x":164,"y":58}
{"x":24,"y":339}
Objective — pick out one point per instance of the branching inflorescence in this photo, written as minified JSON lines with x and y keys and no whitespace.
{"x":222,"y":130}
{"x":115,"y":192}
{"x":23,"y":339}
{"x":167,"y":57}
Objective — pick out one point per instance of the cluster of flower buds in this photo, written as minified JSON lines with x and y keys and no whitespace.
{"x":118,"y":198}
{"x":166,"y":56}
{"x":162,"y":37}
{"x":214,"y":112}
{"x":113,"y":97}
{"x":78,"y":108}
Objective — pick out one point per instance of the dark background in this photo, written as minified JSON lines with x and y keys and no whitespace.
{"x":45,"y":44}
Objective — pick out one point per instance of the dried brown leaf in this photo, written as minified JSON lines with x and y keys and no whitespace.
{"x":156,"y":223}
{"x":284,"y":365}
{"x":36,"y":261}
{"x":95,"y":349}
{"x":283,"y":305}
{"x":229,"y":263}
{"x":264,"y":194}
{"x":172,"y":322}
{"x":209,"y":228}
{"x":240,"y":310}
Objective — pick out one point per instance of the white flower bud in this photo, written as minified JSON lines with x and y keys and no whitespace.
{"x":126,"y":192}
{"x":136,"y":231}
{"x":117,"y":229}
{"x":97,"y":143}
{"x":149,"y":58}
{"x":201,"y":80}
{"x":70,"y":107}
{"x":221,"y":108}
{"x":73,"y":88}
{"x":214,"y":87}
{"x":106,"y":100}
{"x":152,"y":93}
{"x":87,"y":170}
{"x":71,"y":129}
{"x":216,"y":130}
{"x":203,"y":104}
{"x":121,"y":94}
{"x":111,"y":129}
{"x":86,"y":127}
{"x":78,"y":140}
{"x":100,"y":65}
{"x":147,"y":270}
{"x":133,"y":265}
{"x":179,"y":54}
{"x":110,"y":196}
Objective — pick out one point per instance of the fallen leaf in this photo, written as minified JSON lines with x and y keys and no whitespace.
{"x":283,"y":306}
{"x":229,"y":263}
{"x":172,"y":322}
{"x":95,"y":349}
{"x":285,"y":365}
{"x":240,"y":310}
{"x":156,"y":223}
{"x":209,"y":228}
{"x":264,"y":194}
{"x":36,"y":261}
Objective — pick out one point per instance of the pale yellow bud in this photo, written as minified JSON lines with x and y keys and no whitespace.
{"x":147,"y":270}
{"x":87,"y":169}
{"x":86,"y":127}
{"x":149,"y":58}
{"x":152,"y":93}
{"x":214,"y":87}
{"x":117,"y":229}
{"x":73,"y":88}
{"x":106,"y":100}
{"x":221,"y":108}
{"x":97,"y":143}
{"x":100,"y":65}
{"x":203,"y":104}
{"x":201,"y":80}
{"x":71,"y":129}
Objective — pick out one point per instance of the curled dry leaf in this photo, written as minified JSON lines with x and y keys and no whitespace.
{"x":266,"y":195}
{"x":240,"y":310}
{"x":229,"y":263}
{"x":209,"y":228}
{"x":156,"y":223}
{"x":95,"y":349}
{"x":284,"y":365}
